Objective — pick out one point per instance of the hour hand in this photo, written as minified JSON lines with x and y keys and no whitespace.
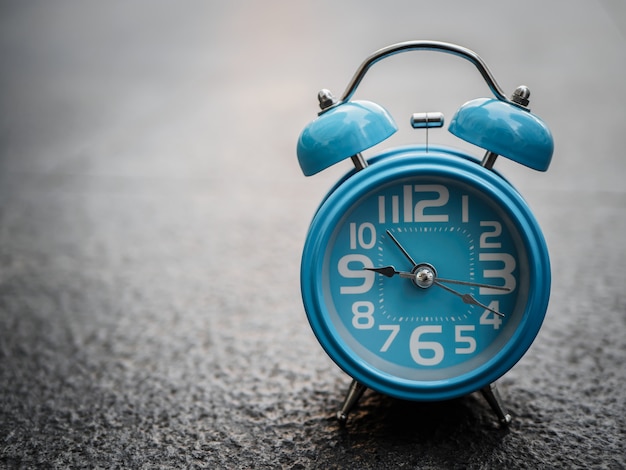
{"x":389,"y":271}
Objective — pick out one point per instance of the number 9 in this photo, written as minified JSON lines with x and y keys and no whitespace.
{"x":368,"y":276}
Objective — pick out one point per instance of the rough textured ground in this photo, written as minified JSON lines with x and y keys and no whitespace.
{"x":152,"y":215}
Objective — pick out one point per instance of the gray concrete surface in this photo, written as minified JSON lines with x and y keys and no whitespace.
{"x":152,"y":215}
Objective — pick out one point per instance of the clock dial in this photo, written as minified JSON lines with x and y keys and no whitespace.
{"x":425,"y":276}
{"x":461,"y":287}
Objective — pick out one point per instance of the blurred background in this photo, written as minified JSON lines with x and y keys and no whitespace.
{"x":152,"y":216}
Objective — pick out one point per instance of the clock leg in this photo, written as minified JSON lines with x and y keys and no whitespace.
{"x":352,"y":397}
{"x":491,"y":394}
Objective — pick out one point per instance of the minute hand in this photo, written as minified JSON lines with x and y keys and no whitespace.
{"x":468,"y":298}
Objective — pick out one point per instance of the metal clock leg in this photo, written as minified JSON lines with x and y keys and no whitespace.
{"x":491,"y":394}
{"x":352,"y":397}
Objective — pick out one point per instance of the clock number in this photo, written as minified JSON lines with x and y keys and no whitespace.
{"x":431,"y":353}
{"x":395,"y":209}
{"x":490,"y":318}
{"x":465,"y":208}
{"x":394,"y":329}
{"x":489,"y":239}
{"x":359,"y":235}
{"x":485,"y":236}
{"x":505,"y":273}
{"x":367,"y":277}
{"x":414,"y":212}
{"x":417,"y":346}
{"x":363,"y":315}
{"x":440,"y":200}
{"x":460,"y":338}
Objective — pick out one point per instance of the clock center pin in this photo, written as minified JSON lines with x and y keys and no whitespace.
{"x":424,"y":275}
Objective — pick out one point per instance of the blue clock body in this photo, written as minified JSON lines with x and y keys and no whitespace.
{"x":464,"y":225}
{"x":425,"y":276}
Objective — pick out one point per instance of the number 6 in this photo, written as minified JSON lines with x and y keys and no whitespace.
{"x":416,"y":345}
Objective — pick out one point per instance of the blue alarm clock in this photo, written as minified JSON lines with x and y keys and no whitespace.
{"x":425,"y":276}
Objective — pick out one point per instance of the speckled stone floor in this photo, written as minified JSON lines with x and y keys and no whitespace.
{"x":152,"y":216}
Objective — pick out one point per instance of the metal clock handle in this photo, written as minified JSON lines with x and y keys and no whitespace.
{"x":438,"y":46}
{"x":520,"y":97}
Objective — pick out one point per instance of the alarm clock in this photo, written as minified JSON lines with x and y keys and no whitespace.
{"x":424,"y":274}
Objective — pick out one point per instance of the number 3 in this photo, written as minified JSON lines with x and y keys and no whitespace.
{"x":506,"y":272}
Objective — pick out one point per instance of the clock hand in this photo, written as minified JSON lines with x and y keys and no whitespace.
{"x":466,"y":283}
{"x":390,"y":271}
{"x":404,"y":252}
{"x":467,"y":298}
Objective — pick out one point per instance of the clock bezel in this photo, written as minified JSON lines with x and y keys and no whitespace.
{"x":438,"y":162}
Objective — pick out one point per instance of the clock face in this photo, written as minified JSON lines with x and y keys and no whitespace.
{"x":425,"y":279}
